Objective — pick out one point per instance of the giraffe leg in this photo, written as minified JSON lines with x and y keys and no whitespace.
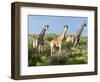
{"x":51,"y":51}
{"x":59,"y":53}
{"x":52,"y":48}
{"x":43,"y":49}
{"x":34,"y":50}
{"x":39,"y":49}
{"x":34,"y":46}
{"x":76,"y":41}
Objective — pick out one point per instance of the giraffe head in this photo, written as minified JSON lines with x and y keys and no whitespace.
{"x":65,"y":30}
{"x":65,"y":27}
{"x":46,"y":27}
{"x":83,"y":25}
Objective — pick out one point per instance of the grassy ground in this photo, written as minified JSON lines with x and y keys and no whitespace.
{"x":68,"y":56}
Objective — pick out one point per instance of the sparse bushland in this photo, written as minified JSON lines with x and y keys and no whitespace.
{"x":67,"y":57}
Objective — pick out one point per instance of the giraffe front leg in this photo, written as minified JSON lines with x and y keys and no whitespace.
{"x":51,"y":48}
{"x":34,"y":46}
{"x":39,"y":49}
{"x":42,"y":49}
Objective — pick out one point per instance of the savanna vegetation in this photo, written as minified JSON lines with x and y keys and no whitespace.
{"x":68,"y":56}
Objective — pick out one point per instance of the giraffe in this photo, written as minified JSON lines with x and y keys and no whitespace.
{"x":39,"y":41}
{"x":74,"y":39}
{"x":57,"y":42}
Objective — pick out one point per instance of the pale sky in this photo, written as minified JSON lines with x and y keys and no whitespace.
{"x":56,"y":24}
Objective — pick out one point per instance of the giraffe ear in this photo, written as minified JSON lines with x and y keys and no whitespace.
{"x":46,"y":25}
{"x":66,"y":25}
{"x":85,"y":24}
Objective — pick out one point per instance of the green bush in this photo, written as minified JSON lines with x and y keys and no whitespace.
{"x":49,"y":37}
{"x":68,"y":56}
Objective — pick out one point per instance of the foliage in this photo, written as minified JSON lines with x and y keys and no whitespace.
{"x":67,"y":57}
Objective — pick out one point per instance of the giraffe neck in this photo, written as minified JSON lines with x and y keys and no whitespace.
{"x":80,"y":30}
{"x":62,"y":36}
{"x":41,"y":35}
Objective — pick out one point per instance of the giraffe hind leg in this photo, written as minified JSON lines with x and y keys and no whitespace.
{"x":51,"y":51}
{"x":59,"y":52}
{"x":75,"y":44}
{"x":39,"y":49}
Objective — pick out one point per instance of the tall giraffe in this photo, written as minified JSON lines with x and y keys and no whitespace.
{"x":74,"y":39}
{"x":57,"y":42}
{"x":39,"y":41}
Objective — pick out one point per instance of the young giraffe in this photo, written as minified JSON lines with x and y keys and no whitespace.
{"x":74,"y":39}
{"x":57,"y":42}
{"x":39,"y":41}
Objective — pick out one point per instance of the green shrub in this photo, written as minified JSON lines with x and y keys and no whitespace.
{"x":49,"y":37}
{"x":44,"y":59}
